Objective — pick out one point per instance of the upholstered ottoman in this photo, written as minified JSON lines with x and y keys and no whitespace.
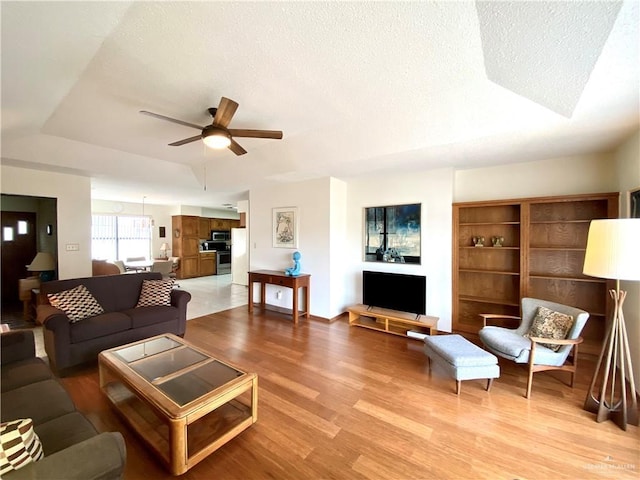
{"x":461,"y":359}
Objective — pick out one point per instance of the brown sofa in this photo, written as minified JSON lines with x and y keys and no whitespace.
{"x":70,"y":344}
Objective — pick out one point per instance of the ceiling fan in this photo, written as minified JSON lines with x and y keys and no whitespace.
{"x":217,"y":135}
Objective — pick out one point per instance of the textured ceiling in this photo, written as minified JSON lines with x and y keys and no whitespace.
{"x":357,"y":88}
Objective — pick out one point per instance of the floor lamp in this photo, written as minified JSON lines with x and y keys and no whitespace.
{"x":613,"y":253}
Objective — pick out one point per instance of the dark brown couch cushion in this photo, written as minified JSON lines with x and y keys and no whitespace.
{"x":23,"y":373}
{"x":75,"y":426}
{"x":99,"y":326}
{"x":144,"y":316}
{"x":40,"y":401}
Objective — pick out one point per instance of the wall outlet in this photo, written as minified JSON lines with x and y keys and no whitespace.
{"x":279,"y":294}
{"x":72,"y":247}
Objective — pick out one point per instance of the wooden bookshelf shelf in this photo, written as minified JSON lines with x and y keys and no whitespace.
{"x":545,"y":240}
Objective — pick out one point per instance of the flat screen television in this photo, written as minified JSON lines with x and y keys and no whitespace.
{"x":395,"y":291}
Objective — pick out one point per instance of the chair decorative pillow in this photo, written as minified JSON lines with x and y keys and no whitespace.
{"x":550,"y":324}
{"x":77,"y":303}
{"x":20,"y":445}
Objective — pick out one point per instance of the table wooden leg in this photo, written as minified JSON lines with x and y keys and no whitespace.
{"x":306,"y":301}
{"x":178,"y":447}
{"x":254,"y":399}
{"x":295,"y":305}
{"x":250,"y":306}
{"x":263,"y":294}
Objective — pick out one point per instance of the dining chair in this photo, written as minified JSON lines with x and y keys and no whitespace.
{"x":165,"y":267}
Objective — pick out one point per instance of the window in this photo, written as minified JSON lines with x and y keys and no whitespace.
{"x":7,"y":234}
{"x":392,"y":234}
{"x":114,"y":237}
{"x":23,"y":227}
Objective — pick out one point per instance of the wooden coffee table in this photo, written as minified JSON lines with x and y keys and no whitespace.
{"x":184,"y":403}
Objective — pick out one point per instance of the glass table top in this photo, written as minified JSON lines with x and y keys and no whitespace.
{"x":189,"y":373}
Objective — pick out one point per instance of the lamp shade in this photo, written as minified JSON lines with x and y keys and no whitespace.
{"x":164,"y":247}
{"x":42,"y":262}
{"x":613,"y":249}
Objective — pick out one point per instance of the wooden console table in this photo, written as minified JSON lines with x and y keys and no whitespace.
{"x":392,"y":321}
{"x":275,"y":277}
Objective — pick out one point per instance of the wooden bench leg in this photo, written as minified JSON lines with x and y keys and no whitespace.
{"x":458,"y":385}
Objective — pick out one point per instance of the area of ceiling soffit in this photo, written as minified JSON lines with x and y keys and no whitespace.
{"x":355,"y":86}
{"x":545,"y":51}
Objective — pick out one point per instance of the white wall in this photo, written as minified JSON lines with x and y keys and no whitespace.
{"x":74,"y":212}
{"x":434,"y":190}
{"x":338,"y":260}
{"x":556,"y":176}
{"x":312,"y":198}
{"x":628,"y":168}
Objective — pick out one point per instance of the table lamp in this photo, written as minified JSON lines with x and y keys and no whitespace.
{"x":163,"y":248}
{"x":613,"y":252}
{"x":44,"y":263}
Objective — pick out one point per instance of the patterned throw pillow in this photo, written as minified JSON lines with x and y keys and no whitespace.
{"x":20,"y":445}
{"x":155,"y":292}
{"x":77,"y":303}
{"x":550,"y":324}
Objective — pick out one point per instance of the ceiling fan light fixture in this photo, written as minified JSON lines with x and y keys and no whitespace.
{"x":217,"y":138}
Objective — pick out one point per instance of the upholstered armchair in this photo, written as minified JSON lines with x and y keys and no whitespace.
{"x":537,"y":352}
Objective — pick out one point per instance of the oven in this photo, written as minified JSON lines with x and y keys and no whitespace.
{"x":223,"y":262}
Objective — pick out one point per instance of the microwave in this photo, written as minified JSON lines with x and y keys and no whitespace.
{"x":220,"y":235}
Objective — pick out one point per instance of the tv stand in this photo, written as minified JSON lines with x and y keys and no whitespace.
{"x":391,"y":321}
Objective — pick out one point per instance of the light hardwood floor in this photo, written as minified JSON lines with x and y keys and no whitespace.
{"x":348,"y":403}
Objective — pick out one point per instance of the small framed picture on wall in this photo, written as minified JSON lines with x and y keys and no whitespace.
{"x":285,"y":227}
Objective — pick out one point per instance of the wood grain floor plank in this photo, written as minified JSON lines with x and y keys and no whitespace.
{"x":346,"y":403}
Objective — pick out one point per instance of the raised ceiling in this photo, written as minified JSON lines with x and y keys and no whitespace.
{"x":357,"y":87}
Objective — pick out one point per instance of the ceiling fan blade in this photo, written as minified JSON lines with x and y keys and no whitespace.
{"x":236,"y":148}
{"x":226,"y":109}
{"x":169,"y":119}
{"x":185,"y":141}
{"x":241,"y":132}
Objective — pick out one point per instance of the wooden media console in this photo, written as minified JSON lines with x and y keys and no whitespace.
{"x":392,"y":321}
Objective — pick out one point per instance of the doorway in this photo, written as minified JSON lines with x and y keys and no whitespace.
{"x":29,"y":225}
{"x":18,"y":249}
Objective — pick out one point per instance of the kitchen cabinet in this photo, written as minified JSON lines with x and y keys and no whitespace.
{"x":188,"y":230}
{"x":207,"y":263}
{"x":203,"y":228}
{"x":219,"y":224}
{"x":189,"y":225}
{"x":540,"y":254}
{"x":189,"y":267}
{"x":186,"y":245}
